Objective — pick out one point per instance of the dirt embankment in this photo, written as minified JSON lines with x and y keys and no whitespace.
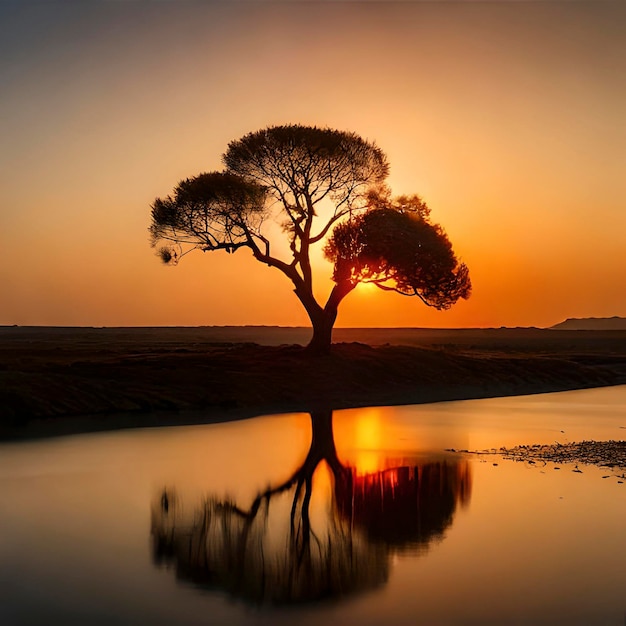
{"x":60,"y":380}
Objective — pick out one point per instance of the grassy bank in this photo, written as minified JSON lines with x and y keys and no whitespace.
{"x":67,"y":380}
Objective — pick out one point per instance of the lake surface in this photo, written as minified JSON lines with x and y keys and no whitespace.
{"x":357,"y":517}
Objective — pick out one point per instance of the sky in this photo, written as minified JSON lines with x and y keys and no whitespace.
{"x":507,"y":118}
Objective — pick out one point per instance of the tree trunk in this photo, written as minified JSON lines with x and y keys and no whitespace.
{"x":322,"y":333}
{"x":323,"y":320}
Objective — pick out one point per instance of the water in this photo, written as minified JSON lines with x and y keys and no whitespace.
{"x":166,"y":526}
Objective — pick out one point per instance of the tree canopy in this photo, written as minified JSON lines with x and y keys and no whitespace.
{"x":210,"y":212}
{"x":323,"y":185}
{"x":396,"y":247}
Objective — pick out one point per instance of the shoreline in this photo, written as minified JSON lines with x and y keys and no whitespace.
{"x":65,"y":383}
{"x":86,"y":424}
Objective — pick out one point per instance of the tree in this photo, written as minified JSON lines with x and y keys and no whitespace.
{"x":313,"y":180}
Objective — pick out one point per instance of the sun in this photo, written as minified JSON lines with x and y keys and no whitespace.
{"x":367,"y":288}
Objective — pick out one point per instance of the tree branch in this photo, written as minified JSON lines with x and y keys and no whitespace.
{"x":326,"y":228}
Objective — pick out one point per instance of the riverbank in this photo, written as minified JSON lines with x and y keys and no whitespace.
{"x":57,"y":381}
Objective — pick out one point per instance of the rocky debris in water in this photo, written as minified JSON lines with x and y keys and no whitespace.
{"x":610,"y":454}
{"x":602,"y":453}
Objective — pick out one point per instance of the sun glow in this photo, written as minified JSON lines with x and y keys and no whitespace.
{"x":368,"y":289}
{"x":359,"y":445}
{"x":528,"y":246}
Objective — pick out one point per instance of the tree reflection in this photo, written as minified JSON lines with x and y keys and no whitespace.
{"x":409,"y":506}
{"x":292,"y":552}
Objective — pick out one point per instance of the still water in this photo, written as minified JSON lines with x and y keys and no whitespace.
{"x":357,"y":517}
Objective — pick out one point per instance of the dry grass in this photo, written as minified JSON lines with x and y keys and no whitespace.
{"x":55,"y":380}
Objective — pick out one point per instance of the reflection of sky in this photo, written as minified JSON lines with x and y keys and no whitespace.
{"x":372,"y":438}
{"x":479,"y":424}
{"x":506,"y":117}
{"x":539,"y":544}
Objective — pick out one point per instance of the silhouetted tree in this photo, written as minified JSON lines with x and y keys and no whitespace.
{"x":396,"y":247}
{"x":312,"y":180}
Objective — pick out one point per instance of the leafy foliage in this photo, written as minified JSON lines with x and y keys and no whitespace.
{"x":302,"y":165}
{"x":211,"y":211}
{"x":396,"y":247}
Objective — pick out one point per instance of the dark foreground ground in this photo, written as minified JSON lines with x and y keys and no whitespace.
{"x":61,"y":380}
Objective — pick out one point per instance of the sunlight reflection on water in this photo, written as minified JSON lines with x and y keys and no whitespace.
{"x":396,"y":529}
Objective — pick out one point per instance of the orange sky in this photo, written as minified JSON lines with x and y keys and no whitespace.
{"x":507,"y":118}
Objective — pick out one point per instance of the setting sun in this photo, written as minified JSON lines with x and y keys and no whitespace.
{"x":368,"y":289}
{"x":502,"y":116}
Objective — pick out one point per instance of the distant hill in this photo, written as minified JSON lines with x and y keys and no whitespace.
{"x":592,"y":323}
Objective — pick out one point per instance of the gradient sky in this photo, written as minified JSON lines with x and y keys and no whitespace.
{"x":508,"y":118}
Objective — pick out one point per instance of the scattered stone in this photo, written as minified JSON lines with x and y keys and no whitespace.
{"x":606,"y":454}
{"x":602,"y":453}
